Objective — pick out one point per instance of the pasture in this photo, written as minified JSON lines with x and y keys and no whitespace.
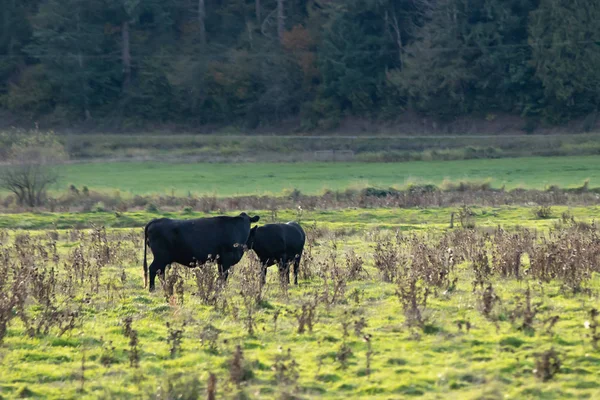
{"x":392,"y":301}
{"x":227,"y":179}
{"x":391,"y":304}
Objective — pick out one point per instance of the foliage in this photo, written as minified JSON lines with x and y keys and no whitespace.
{"x":129,"y":61}
{"x":471,"y":56}
{"x":564,"y":57}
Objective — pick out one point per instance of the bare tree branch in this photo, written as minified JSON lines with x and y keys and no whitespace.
{"x":33,"y":167}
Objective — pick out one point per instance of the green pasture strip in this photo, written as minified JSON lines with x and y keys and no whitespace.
{"x":221,"y":180}
{"x":348,"y":219}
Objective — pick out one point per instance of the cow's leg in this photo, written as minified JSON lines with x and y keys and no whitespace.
{"x":223,"y":270}
{"x":263,"y":272}
{"x":163,"y":272}
{"x":279,"y":264}
{"x":284,"y":269}
{"x":227,"y":260}
{"x":286,"y":265}
{"x":296,"y":267}
{"x":157,"y":266}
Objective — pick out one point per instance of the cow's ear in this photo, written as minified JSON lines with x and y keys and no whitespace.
{"x":255,"y":218}
{"x":253,"y":230}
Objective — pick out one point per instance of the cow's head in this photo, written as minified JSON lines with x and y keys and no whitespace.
{"x":251,"y":219}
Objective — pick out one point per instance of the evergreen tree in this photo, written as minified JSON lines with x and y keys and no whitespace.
{"x":70,"y":42}
{"x":565,"y":37}
{"x":472,"y":56}
{"x":354,"y":55}
{"x":15,"y":34}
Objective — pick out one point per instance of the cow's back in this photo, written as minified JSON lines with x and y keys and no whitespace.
{"x":185,"y":241}
{"x":294,"y":237}
{"x":277,"y":240}
{"x":213,"y":231}
{"x":269,"y":240}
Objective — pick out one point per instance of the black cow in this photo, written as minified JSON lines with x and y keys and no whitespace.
{"x":278,"y":244}
{"x":196,"y":241}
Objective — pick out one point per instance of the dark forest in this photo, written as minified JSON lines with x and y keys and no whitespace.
{"x":259,"y":62}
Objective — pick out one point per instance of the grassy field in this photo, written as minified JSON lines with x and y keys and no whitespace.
{"x":312,"y":178}
{"x":498,"y":356}
{"x":454,"y":321}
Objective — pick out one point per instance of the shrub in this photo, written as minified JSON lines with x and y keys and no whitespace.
{"x":465,"y":216}
{"x":543,"y":212}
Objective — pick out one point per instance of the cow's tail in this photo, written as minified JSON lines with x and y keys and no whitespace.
{"x":145,"y":251}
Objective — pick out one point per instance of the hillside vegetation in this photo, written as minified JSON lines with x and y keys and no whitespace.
{"x":370,"y":146}
{"x":257,"y":62}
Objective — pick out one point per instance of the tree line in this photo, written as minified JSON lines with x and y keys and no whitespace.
{"x":256,"y":62}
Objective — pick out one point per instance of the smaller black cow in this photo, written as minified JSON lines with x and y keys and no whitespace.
{"x":278,"y":244}
{"x":195,"y":241}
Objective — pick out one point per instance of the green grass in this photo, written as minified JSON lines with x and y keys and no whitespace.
{"x":348,"y":220}
{"x":449,"y":363}
{"x":492,"y":362}
{"x":312,"y":178}
{"x":442,"y":362}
